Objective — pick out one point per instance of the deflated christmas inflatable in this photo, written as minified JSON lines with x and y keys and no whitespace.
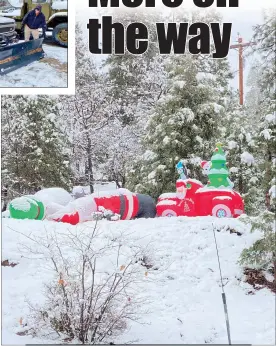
{"x":39,"y":205}
{"x":57,"y":205}
{"x":120,"y":204}
{"x":193,"y":199}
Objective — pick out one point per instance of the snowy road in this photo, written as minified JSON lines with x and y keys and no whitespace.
{"x":50,"y":72}
{"x":183,"y":290}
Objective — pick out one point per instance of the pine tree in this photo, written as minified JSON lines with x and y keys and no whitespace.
{"x":137,"y":82}
{"x":87,"y":115}
{"x":262,"y":254}
{"x":34,"y":154}
{"x":184,"y":125}
{"x":266,"y":141}
{"x":242,"y":154}
{"x":264,"y":36}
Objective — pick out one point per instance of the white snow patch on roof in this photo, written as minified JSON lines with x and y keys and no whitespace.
{"x":16,"y":3}
{"x":168,"y":195}
{"x":60,"y":5}
{"x":222,"y":198}
{"x":167,"y":202}
{"x":213,"y":189}
{"x":194,"y":181}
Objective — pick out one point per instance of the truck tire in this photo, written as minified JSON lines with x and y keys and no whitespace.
{"x":169,"y":213}
{"x":221,"y":211}
{"x":60,"y":34}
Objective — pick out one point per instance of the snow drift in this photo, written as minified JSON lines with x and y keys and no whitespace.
{"x":182,"y":286}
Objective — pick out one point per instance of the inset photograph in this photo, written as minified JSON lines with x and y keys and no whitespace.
{"x":33,"y":43}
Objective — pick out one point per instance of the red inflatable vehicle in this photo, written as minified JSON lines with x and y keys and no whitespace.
{"x":193,"y":199}
{"x":200,"y":201}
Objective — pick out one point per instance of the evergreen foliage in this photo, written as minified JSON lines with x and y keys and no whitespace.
{"x":262,"y":254}
{"x":184,"y":125}
{"x":35,"y":154}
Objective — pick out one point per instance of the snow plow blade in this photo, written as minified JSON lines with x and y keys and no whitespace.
{"x":16,"y":55}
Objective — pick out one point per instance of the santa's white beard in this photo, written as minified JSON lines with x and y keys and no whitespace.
{"x":181,"y":192}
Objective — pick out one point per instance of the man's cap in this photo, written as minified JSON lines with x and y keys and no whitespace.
{"x":38,"y":7}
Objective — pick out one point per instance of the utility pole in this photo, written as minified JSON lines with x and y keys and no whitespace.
{"x":240,"y":46}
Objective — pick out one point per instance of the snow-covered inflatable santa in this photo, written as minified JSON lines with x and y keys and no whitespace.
{"x":120,"y":204}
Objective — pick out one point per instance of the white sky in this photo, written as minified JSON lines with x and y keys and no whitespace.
{"x":248,"y":14}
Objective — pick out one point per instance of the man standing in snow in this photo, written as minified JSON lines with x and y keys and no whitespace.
{"x":34,"y":20}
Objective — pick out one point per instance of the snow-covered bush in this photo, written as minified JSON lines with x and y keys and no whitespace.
{"x":92,"y":294}
{"x":262,"y":254}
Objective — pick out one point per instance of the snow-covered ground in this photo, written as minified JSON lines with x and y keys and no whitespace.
{"x":50,"y":72}
{"x":183,"y":291}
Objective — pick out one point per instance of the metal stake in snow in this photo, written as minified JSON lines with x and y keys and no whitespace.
{"x":223,"y":293}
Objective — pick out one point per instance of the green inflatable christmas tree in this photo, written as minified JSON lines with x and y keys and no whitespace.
{"x":218,"y":173}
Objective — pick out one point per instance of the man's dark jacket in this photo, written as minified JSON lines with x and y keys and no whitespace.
{"x":33,"y":21}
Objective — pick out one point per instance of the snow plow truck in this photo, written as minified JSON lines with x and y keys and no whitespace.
{"x":15,"y":53}
{"x":55,"y":12}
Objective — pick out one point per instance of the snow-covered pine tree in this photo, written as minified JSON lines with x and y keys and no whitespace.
{"x":34,"y":155}
{"x":266,"y":142}
{"x":185,"y":125}
{"x":137,"y":82}
{"x":253,"y":96}
{"x":262,"y":255}
{"x":87,"y":114}
{"x":266,"y":46}
{"x":123,"y":147}
{"x":242,"y":154}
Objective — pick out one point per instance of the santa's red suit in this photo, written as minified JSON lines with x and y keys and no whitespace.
{"x":122,"y":202}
